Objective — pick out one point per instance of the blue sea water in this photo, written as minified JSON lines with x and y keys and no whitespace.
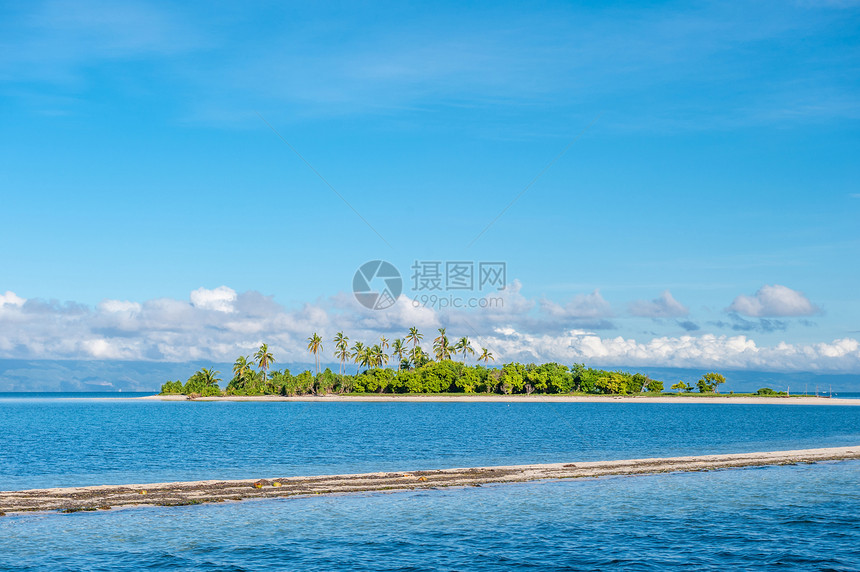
{"x":790,"y":517}
{"x":71,"y":442}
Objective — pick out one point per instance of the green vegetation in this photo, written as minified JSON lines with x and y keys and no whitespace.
{"x":315,"y":347}
{"x":769,"y":391}
{"x":264,"y":359}
{"x":709,"y":382}
{"x":445,"y":376}
{"x":682,"y":386}
{"x":203,"y":383}
{"x":415,"y":371}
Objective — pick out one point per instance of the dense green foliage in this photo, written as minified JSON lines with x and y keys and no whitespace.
{"x":769,"y":391}
{"x":204,"y":383}
{"x":444,"y":376}
{"x":683,"y":386}
{"x":709,"y":382}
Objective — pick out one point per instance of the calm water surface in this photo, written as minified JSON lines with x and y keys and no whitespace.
{"x":68,"y":442}
{"x":788,"y":518}
{"x":792,"y":517}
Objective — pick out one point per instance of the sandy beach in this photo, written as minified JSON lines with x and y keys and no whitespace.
{"x":195,"y":492}
{"x":542,"y":398}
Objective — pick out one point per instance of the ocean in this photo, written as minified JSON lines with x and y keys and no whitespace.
{"x":787,"y":517}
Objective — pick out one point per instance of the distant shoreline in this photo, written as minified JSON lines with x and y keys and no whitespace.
{"x":106,"y":497}
{"x":534,"y":398}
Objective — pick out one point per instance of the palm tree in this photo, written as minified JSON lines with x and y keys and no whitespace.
{"x":486,"y":355}
{"x":383,"y":343}
{"x":367,"y":356}
{"x":380,"y":358}
{"x":341,"y":343}
{"x":414,"y":336}
{"x":241,"y":367}
{"x":397,"y":350}
{"x":441,"y":346}
{"x":264,"y":359}
{"x":315,"y":347}
{"x":210,"y":377}
{"x":357,"y":354}
{"x":464,"y":346}
{"x":418,"y":356}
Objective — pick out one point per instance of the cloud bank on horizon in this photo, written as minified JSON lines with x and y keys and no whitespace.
{"x":219,"y":324}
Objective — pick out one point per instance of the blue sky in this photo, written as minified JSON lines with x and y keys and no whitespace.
{"x":712,"y":155}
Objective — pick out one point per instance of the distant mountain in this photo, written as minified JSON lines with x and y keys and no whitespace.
{"x":85,"y":375}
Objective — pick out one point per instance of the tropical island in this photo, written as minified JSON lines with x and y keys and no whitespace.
{"x":415,"y":371}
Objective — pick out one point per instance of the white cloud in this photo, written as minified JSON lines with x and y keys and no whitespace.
{"x":220,"y":299}
{"x":663,"y":307}
{"x":101,"y":348}
{"x":774,"y":302}
{"x":202,"y":329}
{"x":119,"y":306}
{"x":707,"y":351}
{"x":11,"y":299}
{"x":581,"y":306}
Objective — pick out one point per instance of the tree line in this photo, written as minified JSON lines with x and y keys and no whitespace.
{"x":418,"y":371}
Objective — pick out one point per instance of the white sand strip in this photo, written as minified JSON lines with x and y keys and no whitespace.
{"x":183,"y":493}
